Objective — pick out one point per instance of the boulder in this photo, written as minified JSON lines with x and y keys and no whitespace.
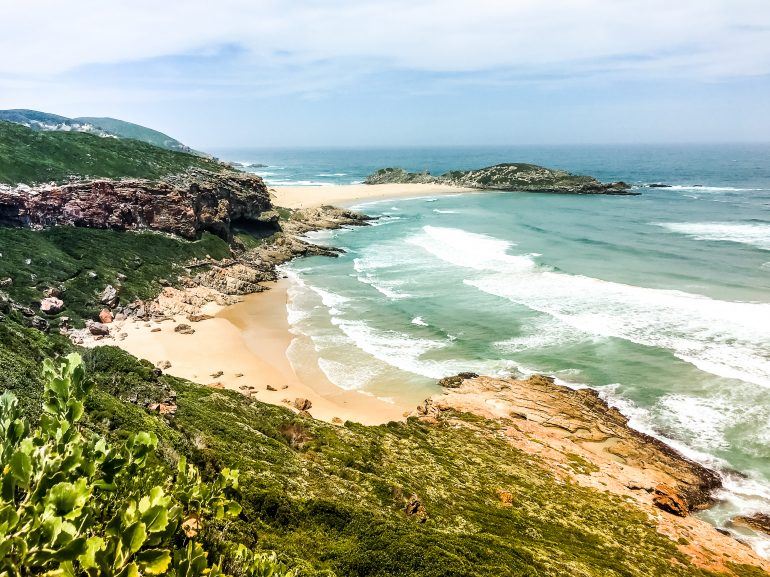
{"x":184,"y":329}
{"x":97,"y":329}
{"x":669,"y":500}
{"x":456,"y":380}
{"x":51,"y":305}
{"x":415,"y":508}
{"x":302,"y":404}
{"x":757,"y":521}
{"x":105,"y":316}
{"x":109,"y":296}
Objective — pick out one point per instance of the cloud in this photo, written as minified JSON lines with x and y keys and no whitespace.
{"x":700,"y":40}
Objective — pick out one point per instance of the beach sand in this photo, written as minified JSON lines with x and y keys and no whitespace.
{"x":349,"y":194}
{"x":247,"y":343}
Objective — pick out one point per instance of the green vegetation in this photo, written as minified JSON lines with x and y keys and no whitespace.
{"x":82,"y":261}
{"x":125,"y":129}
{"x":71,"y":503}
{"x":29,"y":156}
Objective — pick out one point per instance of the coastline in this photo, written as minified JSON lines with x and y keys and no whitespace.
{"x":349,"y":194}
{"x":247,"y":342}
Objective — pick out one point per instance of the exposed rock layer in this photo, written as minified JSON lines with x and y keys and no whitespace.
{"x":185,"y":205}
{"x":509,"y":176}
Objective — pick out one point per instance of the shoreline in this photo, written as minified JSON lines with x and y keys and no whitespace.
{"x":242,"y":347}
{"x":349,"y":194}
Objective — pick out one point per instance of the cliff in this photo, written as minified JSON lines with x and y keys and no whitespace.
{"x":520,"y":177}
{"x":186,"y":205}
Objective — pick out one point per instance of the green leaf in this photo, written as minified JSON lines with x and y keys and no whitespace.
{"x":134,"y":537}
{"x":87,"y":558}
{"x":65,"y":499}
{"x":156,"y":518}
{"x":153,"y":561}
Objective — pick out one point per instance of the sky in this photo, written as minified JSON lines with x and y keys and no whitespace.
{"x":267,"y":73}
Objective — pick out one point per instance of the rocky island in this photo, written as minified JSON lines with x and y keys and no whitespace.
{"x":520,"y":177}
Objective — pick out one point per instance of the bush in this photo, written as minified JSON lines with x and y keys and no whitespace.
{"x":73,"y":504}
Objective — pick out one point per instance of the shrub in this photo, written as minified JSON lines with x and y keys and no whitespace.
{"x":73,"y":504}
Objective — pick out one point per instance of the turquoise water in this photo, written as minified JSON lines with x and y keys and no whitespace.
{"x":660,"y":301}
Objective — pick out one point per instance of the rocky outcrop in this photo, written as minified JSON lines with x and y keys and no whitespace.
{"x":519,"y":177}
{"x":185,"y":205}
{"x":578,"y":422}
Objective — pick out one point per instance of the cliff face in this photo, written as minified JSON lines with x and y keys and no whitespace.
{"x":515,"y":177}
{"x":185,"y":205}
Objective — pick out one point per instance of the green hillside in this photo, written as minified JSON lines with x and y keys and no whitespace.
{"x":31,"y":156}
{"x":125,"y":129}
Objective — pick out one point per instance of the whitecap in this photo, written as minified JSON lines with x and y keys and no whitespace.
{"x":754,"y":234}
{"x":419,"y":322}
{"x":728,"y":339}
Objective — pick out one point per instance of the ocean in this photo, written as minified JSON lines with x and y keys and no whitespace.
{"x":661,"y":301}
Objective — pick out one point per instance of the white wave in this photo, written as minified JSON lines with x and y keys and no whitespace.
{"x":287,"y":182}
{"x":728,"y":339}
{"x":329,"y":174}
{"x":444,"y":211}
{"x":755,"y":234}
{"x":347,"y":375}
{"x":419,"y":322}
{"x":694,"y":187}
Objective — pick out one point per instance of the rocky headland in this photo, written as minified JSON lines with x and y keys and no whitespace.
{"x":584,"y":440}
{"x":520,"y":177}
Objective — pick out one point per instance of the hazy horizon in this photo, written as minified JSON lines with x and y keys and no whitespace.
{"x":384,"y":73}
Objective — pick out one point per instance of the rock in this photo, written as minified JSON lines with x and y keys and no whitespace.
{"x":415,"y":508}
{"x":456,"y":380}
{"x":186,"y":205}
{"x":507,"y":176}
{"x":54,"y":292}
{"x":163,"y":365}
{"x":5,"y":282}
{"x":5,"y":303}
{"x":337,"y":421}
{"x":38,"y":323}
{"x":669,"y":500}
{"x":217,"y":374}
{"x":51,"y":305}
{"x":184,"y":329}
{"x":120,"y":317}
{"x":270,"y":388}
{"x":105,"y":316}
{"x":757,"y":521}
{"x":155,"y":330}
{"x":163,"y":408}
{"x":97,"y":329}
{"x":506,"y":497}
{"x":196,"y":318}
{"x":109,"y":296}
{"x":305,"y":414}
{"x":217,"y":385}
{"x":302,"y":404}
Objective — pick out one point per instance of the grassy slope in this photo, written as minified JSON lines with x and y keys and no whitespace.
{"x":335,"y":500}
{"x":30,"y":156}
{"x":137,"y":132}
{"x":65,"y":256}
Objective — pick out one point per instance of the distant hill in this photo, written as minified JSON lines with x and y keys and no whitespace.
{"x":105,"y":127}
{"x":38,"y":155}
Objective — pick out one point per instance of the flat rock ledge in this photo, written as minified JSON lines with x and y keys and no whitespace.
{"x":581,"y":438}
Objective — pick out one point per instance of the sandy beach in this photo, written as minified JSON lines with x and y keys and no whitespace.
{"x":349,"y":194}
{"x":243,"y":348}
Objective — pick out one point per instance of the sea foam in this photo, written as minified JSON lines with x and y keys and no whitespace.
{"x":754,"y":234}
{"x":728,"y":339}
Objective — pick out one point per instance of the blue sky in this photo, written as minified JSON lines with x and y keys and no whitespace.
{"x":397,"y":72}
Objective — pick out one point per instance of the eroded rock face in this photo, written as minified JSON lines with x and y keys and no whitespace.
{"x":185,"y":205}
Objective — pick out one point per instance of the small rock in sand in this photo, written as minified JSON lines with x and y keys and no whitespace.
{"x":155,"y":330}
{"x":196,"y":318}
{"x":97,"y":329}
{"x":184,"y":329}
{"x":105,"y":316}
{"x":217,"y":374}
{"x":302,"y":404}
{"x":284,"y":387}
{"x":270,"y":388}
